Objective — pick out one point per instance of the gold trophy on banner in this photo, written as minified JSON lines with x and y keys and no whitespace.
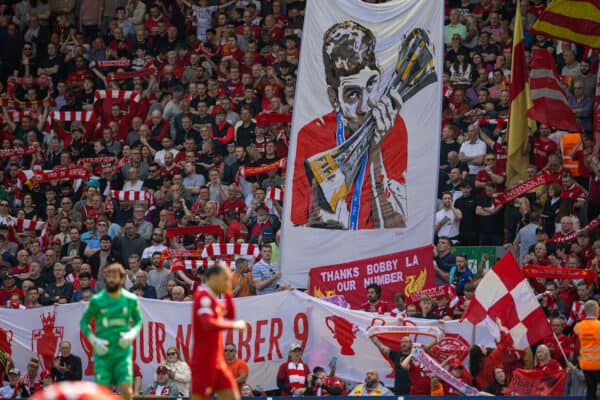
{"x":335,"y":170}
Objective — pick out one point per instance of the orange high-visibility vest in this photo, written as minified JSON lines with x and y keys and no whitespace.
{"x":588,"y":332}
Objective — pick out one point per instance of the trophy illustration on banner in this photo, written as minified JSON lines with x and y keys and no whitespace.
{"x":45,"y":340}
{"x":343,"y":331}
{"x":89,"y":350}
{"x":335,"y":170}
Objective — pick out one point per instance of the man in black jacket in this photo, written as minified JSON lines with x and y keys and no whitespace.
{"x":67,"y":366}
{"x":103,"y":257}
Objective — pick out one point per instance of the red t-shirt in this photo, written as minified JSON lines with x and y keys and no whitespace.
{"x":542,"y":148}
{"x":420,"y":384}
{"x":381,"y":307}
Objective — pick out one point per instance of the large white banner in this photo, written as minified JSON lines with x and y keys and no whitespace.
{"x":362,"y":167}
{"x":274,"y":322}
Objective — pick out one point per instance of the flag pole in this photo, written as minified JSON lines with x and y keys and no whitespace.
{"x":561,"y":348}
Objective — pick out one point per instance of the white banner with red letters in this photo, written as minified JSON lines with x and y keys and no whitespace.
{"x":274,"y":322}
{"x":362,"y":166}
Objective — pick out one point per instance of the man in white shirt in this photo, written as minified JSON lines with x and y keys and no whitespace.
{"x":156,"y":244}
{"x":167,"y":144}
{"x":473,"y":150}
{"x":134,"y":182}
{"x":447,"y":220}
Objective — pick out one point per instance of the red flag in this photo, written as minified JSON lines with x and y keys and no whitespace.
{"x":550,"y":104}
{"x":537,"y":383}
{"x":505,"y":293}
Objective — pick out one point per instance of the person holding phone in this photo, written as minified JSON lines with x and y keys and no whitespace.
{"x":447,"y":220}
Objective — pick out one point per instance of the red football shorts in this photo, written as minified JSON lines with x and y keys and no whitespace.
{"x":205,"y":383}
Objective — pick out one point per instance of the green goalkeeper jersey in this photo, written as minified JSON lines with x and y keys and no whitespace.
{"x":113,"y":315}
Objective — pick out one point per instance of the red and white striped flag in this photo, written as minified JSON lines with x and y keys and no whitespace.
{"x":230,"y":249}
{"x":550,"y":105}
{"x":130,"y":195}
{"x":504,"y":293}
{"x":275,"y":193}
{"x":123,"y":95}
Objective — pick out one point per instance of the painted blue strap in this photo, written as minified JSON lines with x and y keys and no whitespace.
{"x":358,"y":183}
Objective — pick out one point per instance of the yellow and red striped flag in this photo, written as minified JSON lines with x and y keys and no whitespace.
{"x":520,"y":102}
{"x":576,"y":21}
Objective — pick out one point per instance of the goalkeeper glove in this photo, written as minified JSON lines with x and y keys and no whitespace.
{"x":100,"y":345}
{"x":127,"y":338}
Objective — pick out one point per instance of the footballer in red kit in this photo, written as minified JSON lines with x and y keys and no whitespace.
{"x":210,"y":373}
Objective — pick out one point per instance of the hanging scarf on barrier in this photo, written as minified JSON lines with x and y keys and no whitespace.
{"x":194,"y":230}
{"x":595,"y":223}
{"x":122,"y":95}
{"x":520,"y":189}
{"x":542,"y":271}
{"x":20,"y":151}
{"x":439,"y":371}
{"x":230,"y":249}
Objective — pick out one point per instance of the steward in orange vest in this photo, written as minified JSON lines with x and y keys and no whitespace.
{"x":588,"y":332}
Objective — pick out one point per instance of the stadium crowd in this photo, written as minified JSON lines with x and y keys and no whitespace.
{"x":202,"y":93}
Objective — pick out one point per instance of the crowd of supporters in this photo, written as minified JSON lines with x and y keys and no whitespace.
{"x":180,"y":99}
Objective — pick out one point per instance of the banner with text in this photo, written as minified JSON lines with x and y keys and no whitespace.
{"x":537,"y":383}
{"x":361,"y":177}
{"x":406,"y":272}
{"x":274,"y":322}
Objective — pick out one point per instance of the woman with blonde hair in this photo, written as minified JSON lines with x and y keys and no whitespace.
{"x":544,"y":361}
{"x":178,"y":370}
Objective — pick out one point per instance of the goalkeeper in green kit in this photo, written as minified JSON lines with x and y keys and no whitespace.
{"x":118,"y":321}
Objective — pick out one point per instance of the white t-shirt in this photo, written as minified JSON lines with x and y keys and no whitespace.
{"x":471,"y":150}
{"x":160,"y":155}
{"x":148,"y":251}
{"x":136,"y":186}
{"x":450,"y":227}
{"x":203,"y":19}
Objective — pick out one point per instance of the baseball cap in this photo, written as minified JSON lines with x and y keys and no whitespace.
{"x":46,"y":374}
{"x":56,"y":240}
{"x":455,"y":363}
{"x":262,"y":206}
{"x":295,"y":346}
{"x":93,"y":183}
{"x":162,"y":369}
{"x":14,"y":371}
